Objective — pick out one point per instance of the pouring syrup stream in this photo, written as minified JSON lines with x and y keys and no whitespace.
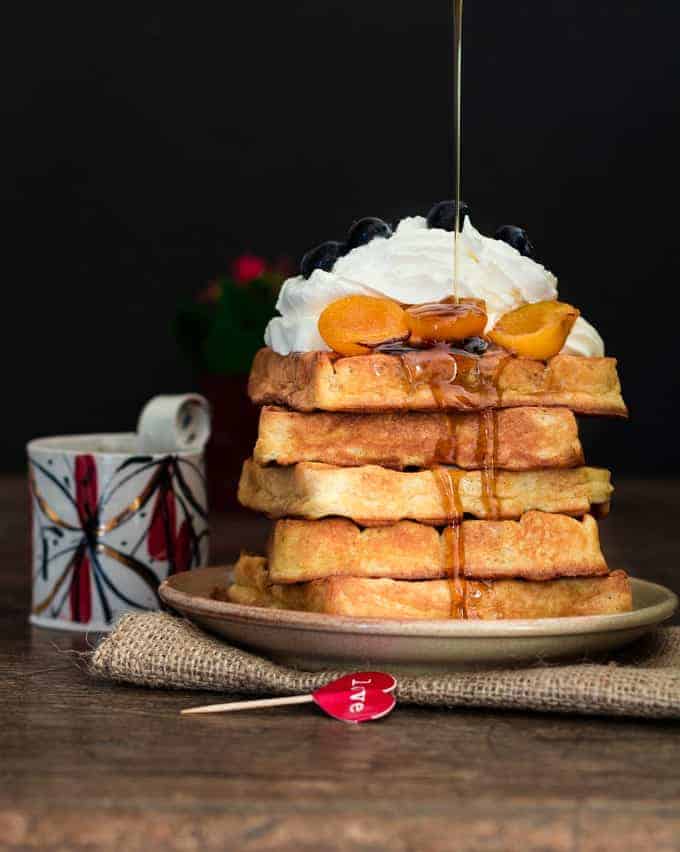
{"x":430,"y":367}
{"x":447,"y":479}
{"x":457,"y":89}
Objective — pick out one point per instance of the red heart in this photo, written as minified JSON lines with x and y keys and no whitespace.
{"x":358,"y":697}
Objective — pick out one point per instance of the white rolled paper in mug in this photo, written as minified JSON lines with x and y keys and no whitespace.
{"x":174,"y":423}
{"x":115,"y":514}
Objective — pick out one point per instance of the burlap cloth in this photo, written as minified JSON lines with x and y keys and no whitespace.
{"x":161,"y":650}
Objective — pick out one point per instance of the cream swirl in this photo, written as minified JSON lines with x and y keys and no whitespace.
{"x":585,"y":340}
{"x":414,"y":266}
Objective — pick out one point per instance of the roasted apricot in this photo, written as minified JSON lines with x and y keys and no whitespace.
{"x":536,"y":331}
{"x":354,"y":325}
{"x":446,"y":321}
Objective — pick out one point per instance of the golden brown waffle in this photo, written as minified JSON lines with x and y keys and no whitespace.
{"x":383,"y":598}
{"x":525,"y":438}
{"x":379,"y":382}
{"x":540,"y":546}
{"x":372,"y":495}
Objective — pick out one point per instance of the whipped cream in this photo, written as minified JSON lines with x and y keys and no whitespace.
{"x":414,"y":266}
{"x":584,"y":340}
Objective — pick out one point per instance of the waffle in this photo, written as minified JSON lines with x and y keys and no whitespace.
{"x":378,"y":382}
{"x":525,"y":438}
{"x":386,"y":598}
{"x":540,"y":546}
{"x":372,"y":495}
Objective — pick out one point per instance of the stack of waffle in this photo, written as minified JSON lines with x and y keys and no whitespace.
{"x":412,"y":485}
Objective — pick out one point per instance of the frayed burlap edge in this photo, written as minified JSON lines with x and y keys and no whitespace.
{"x":161,"y":650}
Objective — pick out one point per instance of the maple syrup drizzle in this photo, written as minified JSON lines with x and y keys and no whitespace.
{"x":487,"y":458}
{"x":437,"y":368}
{"x":448,"y":482}
{"x":442,"y":368}
{"x":494,"y":461}
{"x":487,"y":444}
{"x":445,"y":447}
{"x":447,"y":308}
{"x":500,"y":369}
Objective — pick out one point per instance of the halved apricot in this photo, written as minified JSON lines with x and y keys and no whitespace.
{"x":354,"y":325}
{"x":536,"y":331}
{"x":446,"y":321}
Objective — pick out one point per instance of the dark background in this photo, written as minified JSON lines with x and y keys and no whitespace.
{"x":145,"y":147}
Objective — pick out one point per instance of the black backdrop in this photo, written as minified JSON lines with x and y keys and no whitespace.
{"x":143,"y":147}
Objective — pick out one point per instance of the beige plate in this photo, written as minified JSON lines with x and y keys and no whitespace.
{"x":311,"y":641}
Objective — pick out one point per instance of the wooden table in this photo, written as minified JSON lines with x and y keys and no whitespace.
{"x":89,"y":765}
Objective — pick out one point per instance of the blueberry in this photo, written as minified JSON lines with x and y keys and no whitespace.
{"x":443,"y":215}
{"x":322,"y":256}
{"x":475,"y":345}
{"x":517,"y":238}
{"x":366,"y":229}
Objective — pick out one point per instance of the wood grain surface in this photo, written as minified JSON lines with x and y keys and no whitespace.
{"x":88,"y":765}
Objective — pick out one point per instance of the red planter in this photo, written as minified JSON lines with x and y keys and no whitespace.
{"x":234,"y":431}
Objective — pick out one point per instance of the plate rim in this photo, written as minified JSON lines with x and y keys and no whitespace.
{"x":422,"y":628}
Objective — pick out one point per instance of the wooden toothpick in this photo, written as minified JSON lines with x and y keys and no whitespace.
{"x":358,"y":697}
{"x":248,"y":705}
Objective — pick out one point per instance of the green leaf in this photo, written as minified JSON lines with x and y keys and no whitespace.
{"x":237,"y":328}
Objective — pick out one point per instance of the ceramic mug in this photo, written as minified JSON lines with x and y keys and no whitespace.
{"x":114,"y":515}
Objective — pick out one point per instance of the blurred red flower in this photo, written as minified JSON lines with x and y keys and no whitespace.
{"x":247,"y":267}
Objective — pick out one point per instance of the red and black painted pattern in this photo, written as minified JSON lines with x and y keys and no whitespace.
{"x":165,"y":540}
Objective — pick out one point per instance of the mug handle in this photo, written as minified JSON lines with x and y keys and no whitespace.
{"x":174,"y":423}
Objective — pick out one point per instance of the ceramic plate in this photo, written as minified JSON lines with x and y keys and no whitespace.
{"x":311,"y":641}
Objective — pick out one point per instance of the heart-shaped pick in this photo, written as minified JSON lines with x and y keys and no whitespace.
{"x":358,"y":697}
